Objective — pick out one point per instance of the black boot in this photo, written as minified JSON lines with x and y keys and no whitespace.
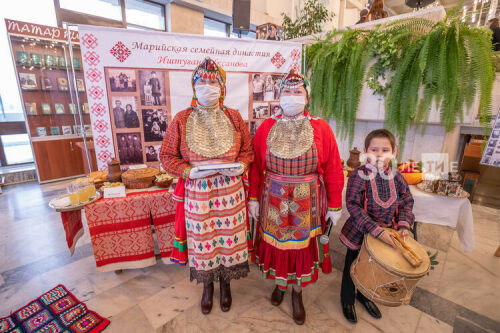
{"x":369,"y":306}
{"x":299,"y":313}
{"x":277,"y":296}
{"x":225,"y":295}
{"x":349,"y":312}
{"x":207,"y":298}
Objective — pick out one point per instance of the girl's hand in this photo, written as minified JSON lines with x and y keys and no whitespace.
{"x":403,"y":233}
{"x":384,"y":237}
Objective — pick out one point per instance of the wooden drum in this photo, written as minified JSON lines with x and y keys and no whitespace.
{"x":384,"y":275}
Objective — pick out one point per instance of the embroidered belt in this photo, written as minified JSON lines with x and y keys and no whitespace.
{"x":304,"y":179}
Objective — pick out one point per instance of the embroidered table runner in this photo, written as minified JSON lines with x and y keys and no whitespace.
{"x":120,"y":229}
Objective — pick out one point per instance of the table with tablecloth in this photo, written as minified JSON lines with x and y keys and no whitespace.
{"x":120,"y":229}
{"x":445,"y":211}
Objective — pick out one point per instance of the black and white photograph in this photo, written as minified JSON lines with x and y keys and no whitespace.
{"x":258,"y":87}
{"x":152,"y":153}
{"x":486,"y":160}
{"x":270,"y":89}
{"x":129,"y":148}
{"x":496,"y":163}
{"x":489,"y":151}
{"x":254,"y":125}
{"x":277,"y":78}
{"x":495,"y":134}
{"x":260,"y":110}
{"x":28,"y":81}
{"x":154,"y":123}
{"x":152,"y":84}
{"x":275,"y":109}
{"x":492,"y":143}
{"x":125,"y":111}
{"x":497,"y":124}
{"x":122,"y":80}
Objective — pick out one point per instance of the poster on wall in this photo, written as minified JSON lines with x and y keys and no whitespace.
{"x":137,"y":81}
{"x":491,"y":153}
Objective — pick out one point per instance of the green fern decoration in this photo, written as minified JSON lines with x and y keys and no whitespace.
{"x":423,"y":63}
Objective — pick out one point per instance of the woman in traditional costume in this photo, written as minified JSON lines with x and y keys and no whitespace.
{"x":211,"y":226}
{"x":296,"y":184}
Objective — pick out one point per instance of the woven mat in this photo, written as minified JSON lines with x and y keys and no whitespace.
{"x":57,"y":310}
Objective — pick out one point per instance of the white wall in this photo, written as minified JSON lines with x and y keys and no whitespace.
{"x":415,"y":145}
{"x":351,"y":16}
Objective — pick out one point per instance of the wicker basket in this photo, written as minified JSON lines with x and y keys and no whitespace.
{"x":139,"y":178}
{"x":165,"y":183}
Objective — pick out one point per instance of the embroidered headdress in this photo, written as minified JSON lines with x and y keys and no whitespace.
{"x":209,"y":69}
{"x":294,"y":80}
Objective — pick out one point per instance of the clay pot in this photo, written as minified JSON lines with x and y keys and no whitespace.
{"x":114,"y":171}
{"x":353,"y":161}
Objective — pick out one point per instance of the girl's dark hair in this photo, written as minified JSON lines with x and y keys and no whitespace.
{"x":380,"y":133}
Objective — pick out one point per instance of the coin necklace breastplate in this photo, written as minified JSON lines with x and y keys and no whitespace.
{"x":209,"y":132}
{"x":290,"y":138}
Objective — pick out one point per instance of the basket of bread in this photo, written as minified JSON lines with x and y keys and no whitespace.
{"x":164,"y":180}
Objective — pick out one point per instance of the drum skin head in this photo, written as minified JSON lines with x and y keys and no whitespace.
{"x":392,"y":258}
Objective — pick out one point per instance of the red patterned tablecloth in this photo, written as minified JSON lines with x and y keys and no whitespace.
{"x":120,"y":229}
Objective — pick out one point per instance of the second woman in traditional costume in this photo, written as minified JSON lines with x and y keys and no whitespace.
{"x":296,"y":184}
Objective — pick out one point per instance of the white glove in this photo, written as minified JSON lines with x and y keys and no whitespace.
{"x":253,"y":209}
{"x":196,"y":173}
{"x":334,"y":216}
{"x":232,"y":171}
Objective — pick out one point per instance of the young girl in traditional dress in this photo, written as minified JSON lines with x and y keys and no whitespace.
{"x":296,"y":184}
{"x":377,"y":197}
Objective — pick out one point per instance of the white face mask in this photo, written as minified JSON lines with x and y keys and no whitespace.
{"x":292,"y":105}
{"x":207,"y":94}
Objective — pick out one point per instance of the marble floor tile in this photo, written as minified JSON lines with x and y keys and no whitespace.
{"x":17,"y":296}
{"x":110,"y":302}
{"x":459,"y":284}
{"x":398,"y":319}
{"x":432,"y":280}
{"x":428,"y":324}
{"x":168,"y":303}
{"x":132,"y":320}
{"x":466,"y":326}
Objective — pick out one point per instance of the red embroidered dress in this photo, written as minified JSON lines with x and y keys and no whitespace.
{"x":292,"y":192}
{"x":213,"y":213}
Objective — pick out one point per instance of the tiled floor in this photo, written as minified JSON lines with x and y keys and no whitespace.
{"x":461,"y":295}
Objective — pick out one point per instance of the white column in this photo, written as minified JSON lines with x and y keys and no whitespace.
{"x":341,"y":13}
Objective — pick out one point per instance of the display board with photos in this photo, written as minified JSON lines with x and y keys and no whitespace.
{"x":491,"y":153}
{"x":46,"y":83}
{"x":141,"y":109}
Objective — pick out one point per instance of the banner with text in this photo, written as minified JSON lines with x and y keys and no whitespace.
{"x":137,"y":81}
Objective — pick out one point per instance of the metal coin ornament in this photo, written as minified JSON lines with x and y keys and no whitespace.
{"x":209,"y":132}
{"x":290,"y":139}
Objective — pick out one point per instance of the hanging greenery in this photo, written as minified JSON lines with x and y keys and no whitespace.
{"x":415,"y":64}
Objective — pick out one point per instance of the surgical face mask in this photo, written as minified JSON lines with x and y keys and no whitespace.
{"x":292,"y":105}
{"x":207,"y":94}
